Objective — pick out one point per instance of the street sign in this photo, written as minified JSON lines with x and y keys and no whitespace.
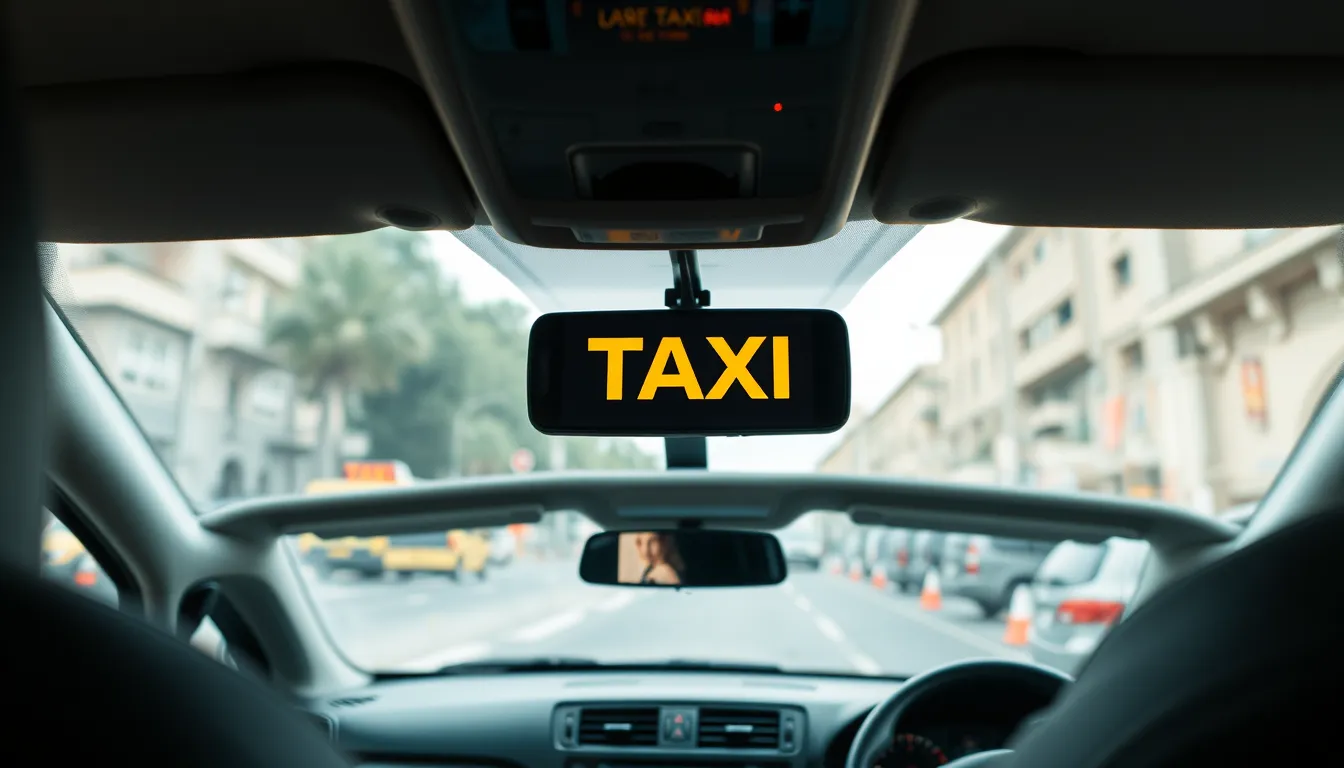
{"x":522,"y":460}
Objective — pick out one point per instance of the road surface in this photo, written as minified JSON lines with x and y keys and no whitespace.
{"x":814,"y":621}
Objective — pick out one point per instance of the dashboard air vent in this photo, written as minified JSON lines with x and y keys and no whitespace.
{"x":352,"y":701}
{"x":739,"y":728}
{"x":619,"y":726}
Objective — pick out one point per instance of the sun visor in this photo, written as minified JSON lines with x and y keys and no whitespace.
{"x":1101,"y":142}
{"x":270,"y":154}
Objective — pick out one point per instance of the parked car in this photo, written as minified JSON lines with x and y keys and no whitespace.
{"x":894,"y":559}
{"x":802,"y":543}
{"x":61,"y":551}
{"x":450,"y":553}
{"x":872,"y":548}
{"x":861,"y":551}
{"x":362,"y":555}
{"x":986,"y":569}
{"x":1079,"y":591}
{"x":926,"y":554}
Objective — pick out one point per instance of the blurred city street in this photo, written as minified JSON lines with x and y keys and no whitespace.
{"x":815,"y":621}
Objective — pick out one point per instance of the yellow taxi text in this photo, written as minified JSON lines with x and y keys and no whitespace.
{"x":671,"y":350}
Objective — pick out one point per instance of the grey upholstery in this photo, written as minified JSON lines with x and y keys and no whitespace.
{"x":1239,"y":663}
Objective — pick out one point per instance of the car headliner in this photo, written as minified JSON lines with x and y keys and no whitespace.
{"x":288,"y":118}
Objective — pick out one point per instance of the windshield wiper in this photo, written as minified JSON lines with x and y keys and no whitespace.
{"x":574,"y":664}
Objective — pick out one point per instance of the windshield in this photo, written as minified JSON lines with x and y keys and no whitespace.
{"x":1172,"y":365}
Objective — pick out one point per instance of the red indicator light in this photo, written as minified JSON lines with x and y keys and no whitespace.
{"x":779,"y":107}
{"x":722,"y":17}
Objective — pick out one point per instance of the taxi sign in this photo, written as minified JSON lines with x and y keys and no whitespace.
{"x":375,"y":471}
{"x":697,"y":372}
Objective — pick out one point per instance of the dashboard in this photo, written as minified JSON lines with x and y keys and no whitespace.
{"x":673,"y":719}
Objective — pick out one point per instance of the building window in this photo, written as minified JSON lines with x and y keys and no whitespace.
{"x":1120,"y":272}
{"x":1047,"y":326}
{"x":231,"y":407}
{"x":1038,"y":255}
{"x":269,"y":396}
{"x":1187,"y":343}
{"x":233,"y":296}
{"x":156,"y":371}
{"x":131,"y":357}
{"x":1065,"y":312}
{"x":1131,"y":359}
{"x":148,"y":361}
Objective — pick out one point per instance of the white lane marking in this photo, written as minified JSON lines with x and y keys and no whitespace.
{"x":803,"y":603}
{"x":829,"y":628}
{"x":417,"y":598}
{"x":544,"y":629}
{"x":787,"y":588}
{"x":616,"y":602}
{"x":456,"y":654}
{"x":864,"y":663}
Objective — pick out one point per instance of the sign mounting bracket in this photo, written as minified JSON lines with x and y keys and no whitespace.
{"x":685,"y":294}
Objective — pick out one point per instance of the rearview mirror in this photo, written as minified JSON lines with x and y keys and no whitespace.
{"x":683,"y":559}
{"x":702,"y":372}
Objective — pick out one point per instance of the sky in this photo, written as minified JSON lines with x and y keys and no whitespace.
{"x":888,"y":322}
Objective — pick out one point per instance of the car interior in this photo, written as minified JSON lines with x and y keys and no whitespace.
{"x":558,"y":131}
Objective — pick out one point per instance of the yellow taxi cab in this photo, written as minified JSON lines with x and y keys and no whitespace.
{"x":452,"y":554}
{"x":474,"y":548}
{"x":61,"y":550}
{"x":362,"y":555}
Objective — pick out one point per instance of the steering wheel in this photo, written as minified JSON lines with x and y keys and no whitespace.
{"x":878,"y":728}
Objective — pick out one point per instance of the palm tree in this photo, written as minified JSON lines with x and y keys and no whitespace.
{"x":349,"y":327}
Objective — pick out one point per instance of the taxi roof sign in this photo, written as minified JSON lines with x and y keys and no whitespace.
{"x":377,"y":471}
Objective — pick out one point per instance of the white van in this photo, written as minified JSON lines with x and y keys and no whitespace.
{"x":803,"y":542}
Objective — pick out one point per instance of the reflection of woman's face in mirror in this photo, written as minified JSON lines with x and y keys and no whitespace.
{"x":658,"y":552}
{"x":650,"y":548}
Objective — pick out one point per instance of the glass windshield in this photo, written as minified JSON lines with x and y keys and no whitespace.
{"x":1178,"y":366}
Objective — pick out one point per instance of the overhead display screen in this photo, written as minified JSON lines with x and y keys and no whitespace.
{"x":606,"y":24}
{"x":696,"y":372}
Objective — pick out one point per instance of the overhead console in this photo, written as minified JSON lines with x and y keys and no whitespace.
{"x":599,"y":124}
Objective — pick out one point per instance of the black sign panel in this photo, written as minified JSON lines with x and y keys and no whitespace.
{"x":696,"y":372}
{"x":606,"y":24}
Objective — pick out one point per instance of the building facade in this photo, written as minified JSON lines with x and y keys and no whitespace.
{"x":179,"y":330}
{"x":1180,"y":365}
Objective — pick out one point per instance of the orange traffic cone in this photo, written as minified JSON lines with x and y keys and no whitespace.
{"x":1019,"y":617}
{"x":879,"y":577}
{"x":931,"y":599}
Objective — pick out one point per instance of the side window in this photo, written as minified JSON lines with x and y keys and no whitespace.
{"x":66,"y":562}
